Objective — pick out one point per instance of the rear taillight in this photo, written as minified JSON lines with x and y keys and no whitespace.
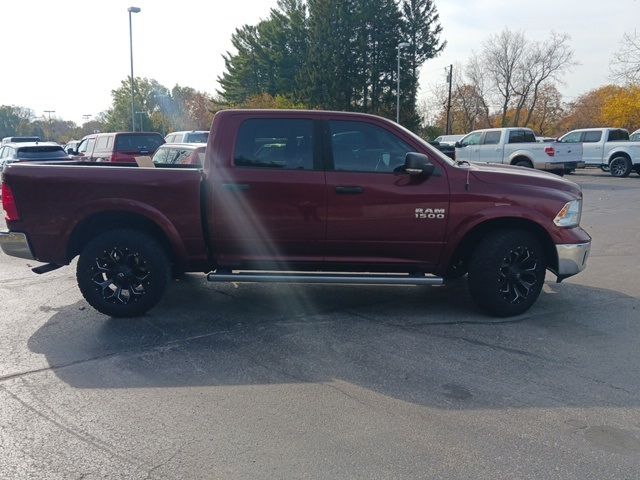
{"x":550,"y":151}
{"x":9,"y":204}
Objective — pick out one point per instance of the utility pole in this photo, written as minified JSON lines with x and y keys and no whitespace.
{"x":450,"y":80}
{"x":49,"y":112}
{"x":133,"y":118}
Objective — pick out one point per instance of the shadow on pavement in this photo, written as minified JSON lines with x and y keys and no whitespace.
{"x":429,"y":346}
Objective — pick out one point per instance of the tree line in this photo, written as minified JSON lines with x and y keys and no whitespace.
{"x":335,"y":55}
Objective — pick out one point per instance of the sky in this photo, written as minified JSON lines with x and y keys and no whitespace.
{"x":67,"y":55}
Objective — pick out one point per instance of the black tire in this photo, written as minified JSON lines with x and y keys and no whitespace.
{"x":524,"y":163}
{"x":123,"y":273}
{"x":638,"y":169}
{"x":506,"y":272}
{"x":620,"y":167}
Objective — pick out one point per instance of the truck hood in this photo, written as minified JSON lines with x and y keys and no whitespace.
{"x":501,"y":174}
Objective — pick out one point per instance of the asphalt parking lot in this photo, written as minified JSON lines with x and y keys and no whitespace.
{"x":267,"y":381}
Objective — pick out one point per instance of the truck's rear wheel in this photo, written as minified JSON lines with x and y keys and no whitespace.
{"x":123,"y":273}
{"x":523,"y":163}
{"x":620,"y":167}
{"x":506,"y":272}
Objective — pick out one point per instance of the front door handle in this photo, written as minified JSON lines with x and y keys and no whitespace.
{"x":236,"y":187}
{"x":350,"y":190}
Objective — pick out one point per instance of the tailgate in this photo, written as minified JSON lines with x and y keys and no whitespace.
{"x":566,"y":152}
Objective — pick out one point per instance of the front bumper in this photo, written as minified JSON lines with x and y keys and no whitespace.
{"x":572,"y":259}
{"x":16,"y":245}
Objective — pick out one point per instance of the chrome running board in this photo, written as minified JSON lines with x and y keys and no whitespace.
{"x":333,"y":278}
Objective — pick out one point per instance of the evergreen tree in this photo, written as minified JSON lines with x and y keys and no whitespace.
{"x":422,"y":30}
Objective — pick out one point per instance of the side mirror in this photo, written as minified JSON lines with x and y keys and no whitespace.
{"x":418,"y":164}
{"x":458,"y":145}
{"x":71,"y":151}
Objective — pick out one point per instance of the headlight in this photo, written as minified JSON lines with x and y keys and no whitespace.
{"x":570,"y":214}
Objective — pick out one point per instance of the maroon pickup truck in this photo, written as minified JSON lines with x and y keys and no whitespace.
{"x":298,"y":197}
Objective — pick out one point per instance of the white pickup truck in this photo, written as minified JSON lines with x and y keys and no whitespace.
{"x":518,"y":146}
{"x":607,"y":148}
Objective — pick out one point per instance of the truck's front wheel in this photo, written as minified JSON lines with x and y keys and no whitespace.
{"x":123,"y":273}
{"x":506,"y":272}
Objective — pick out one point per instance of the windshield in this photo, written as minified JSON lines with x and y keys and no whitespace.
{"x":41,"y":153}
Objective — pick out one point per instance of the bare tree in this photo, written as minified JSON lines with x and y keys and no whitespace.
{"x":625,"y":66}
{"x":546,"y":62}
{"x":517,"y":69}
{"x":502,"y":58}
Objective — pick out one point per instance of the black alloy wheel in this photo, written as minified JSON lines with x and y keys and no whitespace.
{"x":123,"y":273}
{"x":506,"y":272}
{"x":517,"y":276}
{"x":121,"y":276}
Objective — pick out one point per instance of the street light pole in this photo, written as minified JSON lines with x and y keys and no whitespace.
{"x":401,"y":45}
{"x":133,"y":119}
{"x":49,"y":112}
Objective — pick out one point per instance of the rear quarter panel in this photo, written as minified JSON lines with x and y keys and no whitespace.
{"x":54,"y":199}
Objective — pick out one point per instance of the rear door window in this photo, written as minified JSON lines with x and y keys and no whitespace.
{"x":521,"y":136}
{"x":275,"y":143}
{"x":592,"y":137}
{"x":102,"y":143}
{"x":144,"y":143}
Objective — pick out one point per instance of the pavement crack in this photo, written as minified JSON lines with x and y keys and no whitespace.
{"x":82,"y":436}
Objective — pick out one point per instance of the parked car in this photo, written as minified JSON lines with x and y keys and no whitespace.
{"x":19,"y":139}
{"x":299,"y":197}
{"x":180,"y":154}
{"x":518,"y":146}
{"x":120,"y":147}
{"x":71,"y":146}
{"x":193,"y":136}
{"x":607,"y":148}
{"x":448,"y":139}
{"x":31,"y":151}
{"x":447,"y":149}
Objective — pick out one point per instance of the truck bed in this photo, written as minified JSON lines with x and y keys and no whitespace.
{"x":76,"y":193}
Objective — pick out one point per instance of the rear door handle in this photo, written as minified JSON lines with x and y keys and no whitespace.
{"x":350,"y":190}
{"x":236,"y":187}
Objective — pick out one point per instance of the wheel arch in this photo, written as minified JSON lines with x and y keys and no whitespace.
{"x":618,"y":153}
{"x":521,"y":156}
{"x":104,"y":221}
{"x":471,"y":238}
